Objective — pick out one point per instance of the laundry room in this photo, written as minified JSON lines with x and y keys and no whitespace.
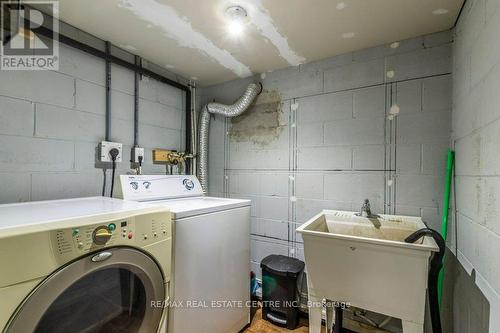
{"x":250,"y":166}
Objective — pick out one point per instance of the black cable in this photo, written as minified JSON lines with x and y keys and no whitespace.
{"x":113,"y":178}
{"x":432,"y":278}
{"x":113,"y":153}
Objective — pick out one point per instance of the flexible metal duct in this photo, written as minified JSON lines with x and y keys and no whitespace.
{"x":252,"y":91}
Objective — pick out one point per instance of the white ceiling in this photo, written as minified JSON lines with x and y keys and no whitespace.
{"x":189,"y":37}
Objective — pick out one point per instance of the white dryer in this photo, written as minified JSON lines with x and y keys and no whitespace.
{"x":84,"y":265}
{"x":211,"y":258}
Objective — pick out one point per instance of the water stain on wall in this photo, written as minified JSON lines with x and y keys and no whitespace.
{"x":262,"y":123}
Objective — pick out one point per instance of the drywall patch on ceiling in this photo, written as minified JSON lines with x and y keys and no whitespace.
{"x":262,"y":20}
{"x":173,"y":26}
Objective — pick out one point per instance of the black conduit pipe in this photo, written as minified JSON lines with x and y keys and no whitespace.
{"x":432,"y":278}
{"x":136,"y":102}
{"x":108,"y":93}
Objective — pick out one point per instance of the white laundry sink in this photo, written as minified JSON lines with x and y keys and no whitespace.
{"x":365,"y":262}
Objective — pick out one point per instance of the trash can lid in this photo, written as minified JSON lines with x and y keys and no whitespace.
{"x":282,"y":265}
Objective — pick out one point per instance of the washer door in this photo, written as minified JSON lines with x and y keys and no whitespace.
{"x":109,"y":291}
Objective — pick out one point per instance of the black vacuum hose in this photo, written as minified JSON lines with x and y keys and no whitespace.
{"x":432,"y":279}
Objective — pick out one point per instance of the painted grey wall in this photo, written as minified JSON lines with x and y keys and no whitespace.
{"x":476,"y":137}
{"x":336,"y":145}
{"x":51,"y":122}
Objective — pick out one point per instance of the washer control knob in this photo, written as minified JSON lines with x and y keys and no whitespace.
{"x":80,"y":245}
{"x":101,"y":235}
{"x":130,"y":235}
{"x":145,"y":236}
{"x":135,"y":185}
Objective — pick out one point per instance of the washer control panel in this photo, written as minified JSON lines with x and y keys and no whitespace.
{"x":137,"y":231}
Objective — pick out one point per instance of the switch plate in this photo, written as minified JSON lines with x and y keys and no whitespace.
{"x":105,"y":148}
{"x":136,"y":152}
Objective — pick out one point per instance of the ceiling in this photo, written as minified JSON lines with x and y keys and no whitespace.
{"x":190,"y":38}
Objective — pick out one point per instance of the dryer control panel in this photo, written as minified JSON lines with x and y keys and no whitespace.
{"x":137,"y":231}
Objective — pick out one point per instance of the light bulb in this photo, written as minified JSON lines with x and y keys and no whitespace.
{"x":235,"y":27}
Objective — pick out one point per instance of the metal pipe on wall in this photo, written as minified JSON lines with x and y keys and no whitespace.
{"x":194,"y":130}
{"x":136,"y":102}
{"x":108,"y":92}
{"x":252,"y":91}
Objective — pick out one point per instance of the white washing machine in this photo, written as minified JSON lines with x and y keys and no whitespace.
{"x":211,"y":258}
{"x":84,"y":265}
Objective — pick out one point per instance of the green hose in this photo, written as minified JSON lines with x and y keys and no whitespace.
{"x":444,"y":220}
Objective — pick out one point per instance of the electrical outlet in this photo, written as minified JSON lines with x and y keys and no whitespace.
{"x":136,"y":153}
{"x":105,"y":148}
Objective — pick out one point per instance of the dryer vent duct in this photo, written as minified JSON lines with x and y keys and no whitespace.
{"x":252,"y":91}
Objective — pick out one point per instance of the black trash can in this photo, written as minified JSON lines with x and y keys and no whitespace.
{"x":281,"y":281}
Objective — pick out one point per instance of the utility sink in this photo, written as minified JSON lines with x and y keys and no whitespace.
{"x":365,"y":262}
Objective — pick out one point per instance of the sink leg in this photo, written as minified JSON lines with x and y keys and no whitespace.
{"x":315,"y":309}
{"x":411,"y":327}
{"x":329,"y":317}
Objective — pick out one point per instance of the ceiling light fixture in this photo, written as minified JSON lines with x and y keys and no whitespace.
{"x":236,"y":16}
{"x":440,"y":11}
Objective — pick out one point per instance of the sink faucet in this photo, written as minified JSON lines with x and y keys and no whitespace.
{"x":366,"y":211}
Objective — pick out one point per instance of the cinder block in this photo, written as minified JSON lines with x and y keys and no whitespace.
{"x":21,"y":154}
{"x":122,"y":105}
{"x":157,"y":114}
{"x":355,"y":187}
{"x":468,"y":157}
{"x":274,"y":184}
{"x":325,"y":107}
{"x":90,"y":97}
{"x":68,"y":124}
{"x":307,"y":208}
{"x":490,"y":161}
{"x":154,"y":136}
{"x":245,"y":182}
{"x":325,"y":64}
{"x":437,"y":93}
{"x":122,"y":79}
{"x":469,"y":197}
{"x":310,"y":135}
{"x":291,"y":83}
{"x":123,"y":131}
{"x":309,"y":185}
{"x":259,"y":159}
{"x":86,"y":155}
{"x":324,"y":158}
{"x":424,"y":127}
{"x":355,"y":132}
{"x":15,"y":187}
{"x":485,"y":53}
{"x":409,"y":158}
{"x":81,"y":65}
{"x":409,"y":96}
{"x":382,"y":51}
{"x":261,"y":247}
{"x":16,"y":116}
{"x":427,"y":62}
{"x":356,"y":75}
{"x":148,"y":89}
{"x":48,"y":186}
{"x":171,"y":96}
{"x":434,"y":158}
{"x":369,"y":157}
{"x":275,"y":229}
{"x":419,"y":190}
{"x":369,"y":102}
{"x":483,"y":100}
{"x":39,"y":86}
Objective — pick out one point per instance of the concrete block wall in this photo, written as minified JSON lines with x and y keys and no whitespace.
{"x":476,"y":138}
{"x":51,"y":123}
{"x":337,"y":145}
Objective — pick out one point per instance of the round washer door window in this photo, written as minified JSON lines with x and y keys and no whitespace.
{"x":108,"y":292}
